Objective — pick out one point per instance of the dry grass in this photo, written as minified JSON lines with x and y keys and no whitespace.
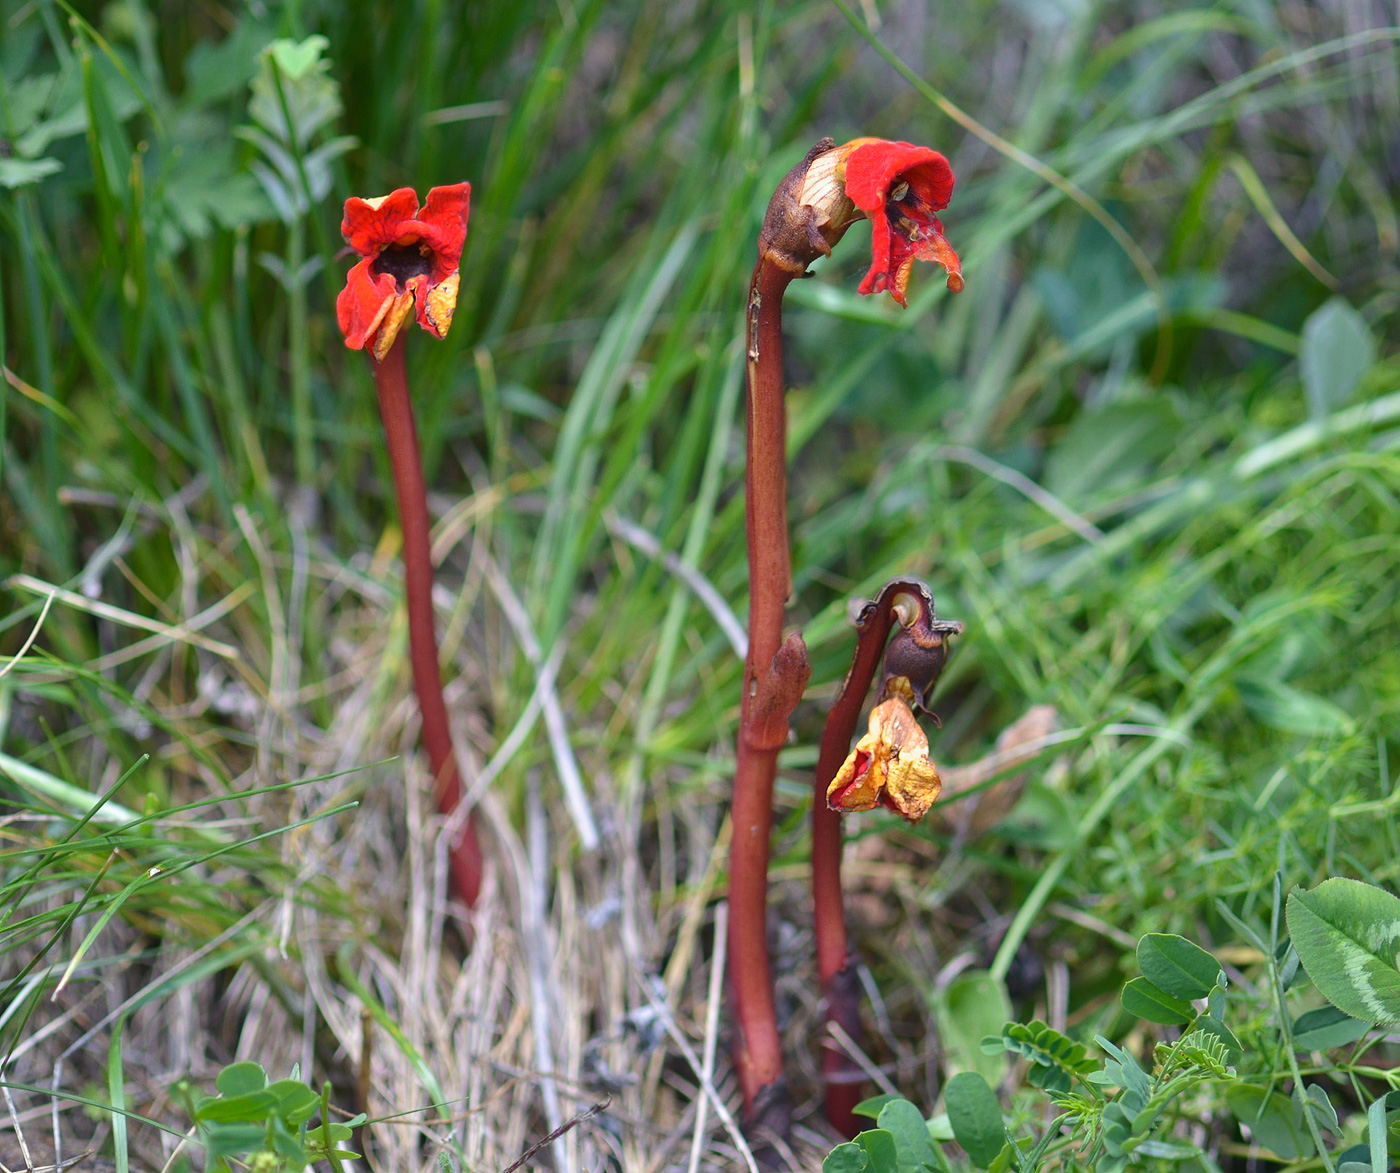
{"x":583,"y":981}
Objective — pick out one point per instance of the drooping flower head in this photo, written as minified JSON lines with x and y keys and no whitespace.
{"x":898,"y":186}
{"x":890,"y":765}
{"x":410,"y":261}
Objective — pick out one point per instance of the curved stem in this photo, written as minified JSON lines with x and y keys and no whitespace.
{"x":395,"y":408}
{"x":840,"y":989}
{"x":774,"y":675}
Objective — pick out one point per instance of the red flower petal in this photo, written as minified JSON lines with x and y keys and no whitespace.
{"x":369,"y":225}
{"x":874,"y":168}
{"x":873,"y":171}
{"x":444,"y":218}
{"x":361,"y":305}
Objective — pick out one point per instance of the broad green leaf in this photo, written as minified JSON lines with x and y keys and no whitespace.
{"x":1348,"y":937}
{"x":1326,"y":1027}
{"x":228,"y":1140}
{"x":881,"y":1156}
{"x":1273,"y":1119}
{"x":1337,"y":349}
{"x":1177,"y":967}
{"x":976,"y":1117}
{"x":940,"y":1128}
{"x":973,"y":1005}
{"x":239,"y":1078}
{"x":248,"y":1106}
{"x":906,"y":1124}
{"x":1144,"y":1000}
{"x":296,"y":1103}
{"x":873,"y":1105}
{"x":845,"y":1158}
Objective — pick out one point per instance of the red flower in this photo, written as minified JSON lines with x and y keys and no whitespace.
{"x":900,"y":187}
{"x":410,"y":260}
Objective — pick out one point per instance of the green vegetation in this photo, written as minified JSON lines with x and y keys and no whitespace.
{"x":1150,"y":457}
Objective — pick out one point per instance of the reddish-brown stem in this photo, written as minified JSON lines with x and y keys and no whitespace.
{"x":840,"y":990}
{"x":396,"y":410}
{"x":774,"y":675}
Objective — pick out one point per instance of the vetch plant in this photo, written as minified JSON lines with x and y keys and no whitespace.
{"x":900,"y":188}
{"x":263,"y":1126}
{"x":409,"y":266}
{"x":1223,"y":1060}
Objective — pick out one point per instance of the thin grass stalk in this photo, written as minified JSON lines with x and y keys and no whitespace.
{"x":391,"y":382}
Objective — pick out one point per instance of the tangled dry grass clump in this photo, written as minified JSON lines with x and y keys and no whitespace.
{"x":582,"y":979}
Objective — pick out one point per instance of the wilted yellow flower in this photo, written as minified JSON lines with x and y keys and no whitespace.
{"x":890,"y":765}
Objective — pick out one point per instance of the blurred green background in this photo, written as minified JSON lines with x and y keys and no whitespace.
{"x":1156,"y":470}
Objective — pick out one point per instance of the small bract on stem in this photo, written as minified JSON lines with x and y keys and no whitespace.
{"x":409,"y":264}
{"x":899,"y":187}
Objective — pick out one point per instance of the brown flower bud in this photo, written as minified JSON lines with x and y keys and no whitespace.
{"x":810,"y":211}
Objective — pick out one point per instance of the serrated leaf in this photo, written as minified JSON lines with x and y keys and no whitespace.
{"x":845,"y":1158}
{"x":239,"y":1078}
{"x":1176,"y":966}
{"x":1142,"y":999}
{"x":1326,"y":1027}
{"x":906,"y":1124}
{"x":1336,"y":350}
{"x":975,"y":1116}
{"x":1348,"y":938}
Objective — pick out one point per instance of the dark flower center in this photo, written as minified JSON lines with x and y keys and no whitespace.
{"x":906,"y":212}
{"x":404,"y":261}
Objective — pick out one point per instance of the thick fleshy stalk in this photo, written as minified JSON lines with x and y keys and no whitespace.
{"x":391,"y":382}
{"x":775,"y":673}
{"x":905,"y":601}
